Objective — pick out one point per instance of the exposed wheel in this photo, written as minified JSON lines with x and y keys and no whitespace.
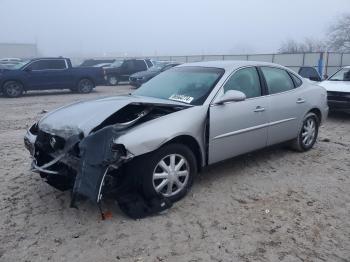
{"x":112,"y":80}
{"x":168,"y":171}
{"x":85,"y":86}
{"x":13,"y":89}
{"x":308,"y":133}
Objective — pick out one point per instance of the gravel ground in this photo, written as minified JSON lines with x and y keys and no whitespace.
{"x":271,"y":205}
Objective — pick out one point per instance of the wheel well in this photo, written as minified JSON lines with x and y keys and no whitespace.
{"x":9,"y":80}
{"x":86,"y":77}
{"x":318,"y":113}
{"x":190,"y":142}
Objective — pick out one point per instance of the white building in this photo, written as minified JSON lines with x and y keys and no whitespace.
{"x":18,"y":50}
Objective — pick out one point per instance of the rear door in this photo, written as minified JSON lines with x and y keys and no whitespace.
{"x":59,"y":74}
{"x":239,"y":127}
{"x":287,"y":104}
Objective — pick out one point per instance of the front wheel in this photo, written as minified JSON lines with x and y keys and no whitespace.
{"x":308,"y":133}
{"x":168,"y":171}
{"x":112,"y":80}
{"x":13,"y":89}
{"x":85,"y":86}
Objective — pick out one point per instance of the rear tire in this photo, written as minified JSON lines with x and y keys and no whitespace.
{"x":85,"y":86}
{"x":168,"y":171}
{"x":308,"y":133}
{"x":13,"y":89}
{"x":113,"y":80}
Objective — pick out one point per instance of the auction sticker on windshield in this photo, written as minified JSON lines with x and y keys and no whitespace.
{"x":181,"y":98}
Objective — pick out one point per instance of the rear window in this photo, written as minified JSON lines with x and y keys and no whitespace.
{"x":297,"y":80}
{"x":278,"y":80}
{"x":149,"y":63}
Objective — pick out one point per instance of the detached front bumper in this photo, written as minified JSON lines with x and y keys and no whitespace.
{"x":77,"y":163}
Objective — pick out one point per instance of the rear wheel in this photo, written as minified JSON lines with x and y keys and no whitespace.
{"x":13,"y":89}
{"x":85,"y":86}
{"x":308,"y":133}
{"x":113,"y":80}
{"x":168,"y":171}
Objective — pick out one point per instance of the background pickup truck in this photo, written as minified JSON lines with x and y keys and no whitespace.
{"x":49,"y":73}
{"x":121,"y":70}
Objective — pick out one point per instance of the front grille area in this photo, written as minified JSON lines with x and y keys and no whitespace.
{"x":338,"y":96}
{"x":49,"y":143}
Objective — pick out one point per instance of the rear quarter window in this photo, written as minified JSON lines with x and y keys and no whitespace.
{"x":297,"y":81}
{"x":278,"y":80}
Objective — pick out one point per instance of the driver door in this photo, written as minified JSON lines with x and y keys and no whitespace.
{"x":239,"y":127}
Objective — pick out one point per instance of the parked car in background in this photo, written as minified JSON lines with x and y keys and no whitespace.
{"x":93,"y":62}
{"x":338,"y":90}
{"x":49,"y":73}
{"x":10,"y":60}
{"x":139,"y":78}
{"x":310,"y":73}
{"x":103,"y":65}
{"x":180,"y":121}
{"x":121,"y":70}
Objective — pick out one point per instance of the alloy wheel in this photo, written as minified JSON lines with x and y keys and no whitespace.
{"x":308,"y":134}
{"x":171,"y":175}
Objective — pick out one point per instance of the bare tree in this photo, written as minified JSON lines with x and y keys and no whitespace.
{"x":339,"y":35}
{"x":289,"y":46}
{"x":308,"y":45}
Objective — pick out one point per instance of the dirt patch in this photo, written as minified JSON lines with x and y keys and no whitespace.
{"x":271,"y":205}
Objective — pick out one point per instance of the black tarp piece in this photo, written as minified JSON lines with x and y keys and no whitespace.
{"x":96,"y":157}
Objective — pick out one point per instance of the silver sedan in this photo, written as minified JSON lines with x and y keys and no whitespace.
{"x":184,"y":119}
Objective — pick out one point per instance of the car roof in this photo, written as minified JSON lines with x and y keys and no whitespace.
{"x":230,"y":64}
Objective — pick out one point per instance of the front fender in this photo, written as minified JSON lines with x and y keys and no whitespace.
{"x":151,"y":135}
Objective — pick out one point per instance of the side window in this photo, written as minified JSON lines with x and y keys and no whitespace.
{"x":128,"y":64}
{"x":57,"y":64}
{"x":245,"y":80}
{"x":296,"y":80}
{"x":278,"y":80}
{"x":140,"y":65}
{"x":39,"y":65}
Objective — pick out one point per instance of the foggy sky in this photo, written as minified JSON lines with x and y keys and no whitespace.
{"x":163,"y":27}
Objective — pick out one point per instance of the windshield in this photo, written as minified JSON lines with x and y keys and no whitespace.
{"x":190,"y":85}
{"x":341,"y":75}
{"x":117,"y":63}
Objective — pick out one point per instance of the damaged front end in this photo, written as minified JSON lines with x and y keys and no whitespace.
{"x":68,"y":159}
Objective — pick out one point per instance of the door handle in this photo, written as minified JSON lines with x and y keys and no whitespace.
{"x":259,"y":109}
{"x":300,"y":101}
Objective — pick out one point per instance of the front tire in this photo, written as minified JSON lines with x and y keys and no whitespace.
{"x":112,"y":80}
{"x":85,"y":86}
{"x":13,"y":89}
{"x":308,"y":133}
{"x":168,"y":171}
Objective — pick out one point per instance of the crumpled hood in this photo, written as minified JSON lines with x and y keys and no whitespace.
{"x":85,"y":116}
{"x":336,"y":86}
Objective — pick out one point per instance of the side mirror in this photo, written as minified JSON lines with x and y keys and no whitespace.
{"x":231,"y":96}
